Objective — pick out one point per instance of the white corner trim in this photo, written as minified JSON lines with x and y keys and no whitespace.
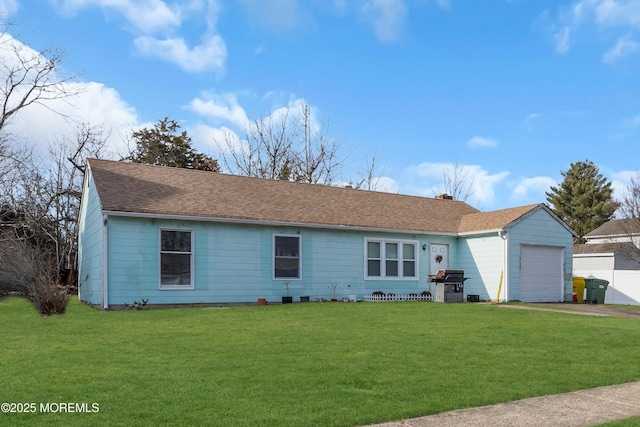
{"x":105,"y":264}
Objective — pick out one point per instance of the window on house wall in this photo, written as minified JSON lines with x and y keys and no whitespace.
{"x":176,"y":256}
{"x":286,"y":257}
{"x":392,"y":259}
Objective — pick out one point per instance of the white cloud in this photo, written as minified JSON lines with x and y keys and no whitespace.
{"x":280,"y":15}
{"x":220,"y":107}
{"x":484,"y":186}
{"x":632,"y":122}
{"x":624,"y":46}
{"x":208,"y":56}
{"x":528,"y":122}
{"x":384,"y":183}
{"x":616,"y":13}
{"x":481,"y":142}
{"x":57,"y":116}
{"x":8,"y":7}
{"x":157,"y":25}
{"x":386,"y":17}
{"x":613,"y":18}
{"x":210,"y":139}
{"x":533,"y":188}
{"x":57,"y":120}
{"x":562,"y":40}
{"x":147,"y":16}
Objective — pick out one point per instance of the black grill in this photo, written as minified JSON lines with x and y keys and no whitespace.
{"x":448,"y":276}
{"x":449,"y":285}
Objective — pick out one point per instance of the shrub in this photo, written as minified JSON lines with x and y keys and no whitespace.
{"x":27,"y":271}
{"x":48,"y":295}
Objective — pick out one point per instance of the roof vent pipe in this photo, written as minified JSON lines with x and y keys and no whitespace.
{"x":444,"y":196}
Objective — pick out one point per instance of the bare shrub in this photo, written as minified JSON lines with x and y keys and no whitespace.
{"x":48,"y":295}
{"x":19,"y":265}
{"x":25,"y":270}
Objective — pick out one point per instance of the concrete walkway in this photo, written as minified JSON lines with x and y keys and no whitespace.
{"x":581,"y":408}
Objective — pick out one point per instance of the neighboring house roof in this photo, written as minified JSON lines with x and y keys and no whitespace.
{"x":605,"y":248}
{"x":140,"y":189}
{"x":615,"y":228}
{"x":626,"y":255}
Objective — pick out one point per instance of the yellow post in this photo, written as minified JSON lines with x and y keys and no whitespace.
{"x":499,"y":286}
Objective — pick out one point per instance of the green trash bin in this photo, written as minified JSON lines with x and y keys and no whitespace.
{"x":596,"y":290}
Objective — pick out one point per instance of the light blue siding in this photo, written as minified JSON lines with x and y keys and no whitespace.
{"x":482,"y":259}
{"x":233,"y":263}
{"x":90,"y":248}
{"x":542,"y":229}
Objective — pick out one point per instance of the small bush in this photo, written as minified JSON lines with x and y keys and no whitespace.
{"x":25,"y":270}
{"x":48,"y":295}
{"x":137,"y":305}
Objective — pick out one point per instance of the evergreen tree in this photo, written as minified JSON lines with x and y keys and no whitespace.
{"x":164,"y":146}
{"x":584,"y":199}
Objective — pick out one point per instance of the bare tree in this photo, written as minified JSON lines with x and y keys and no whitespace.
{"x":629,"y":211}
{"x":369,"y":175}
{"x":40,"y":204}
{"x":64,"y":187}
{"x":265,"y":150}
{"x":630,"y":203}
{"x":287,"y":144}
{"x":28,"y":77}
{"x":315,"y":161}
{"x":456,"y":182}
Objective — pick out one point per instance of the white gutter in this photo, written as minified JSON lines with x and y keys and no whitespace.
{"x":481,"y":233}
{"x":275,"y":223}
{"x":105,"y":265}
{"x":594,"y":255}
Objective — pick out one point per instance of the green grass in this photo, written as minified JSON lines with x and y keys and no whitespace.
{"x":329,"y":364}
{"x":628,"y":422}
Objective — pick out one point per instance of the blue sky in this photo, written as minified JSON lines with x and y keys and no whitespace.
{"x":513,"y":91}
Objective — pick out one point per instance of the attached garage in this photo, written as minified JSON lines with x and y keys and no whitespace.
{"x":542,"y":273}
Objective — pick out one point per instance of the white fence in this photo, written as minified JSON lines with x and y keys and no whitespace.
{"x":394,"y":297}
{"x":624,"y":285}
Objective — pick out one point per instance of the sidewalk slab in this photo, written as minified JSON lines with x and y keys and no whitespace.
{"x":576,"y":409}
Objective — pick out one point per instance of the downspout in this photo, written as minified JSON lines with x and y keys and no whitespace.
{"x":105,"y":265}
{"x":505,"y":268}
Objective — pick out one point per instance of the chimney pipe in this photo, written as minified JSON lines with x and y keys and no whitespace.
{"x":444,"y":196}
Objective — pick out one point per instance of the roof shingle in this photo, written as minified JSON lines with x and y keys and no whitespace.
{"x":494,"y":220}
{"x":156,"y":190}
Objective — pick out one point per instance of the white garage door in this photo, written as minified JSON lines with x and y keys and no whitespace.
{"x":541,"y":273}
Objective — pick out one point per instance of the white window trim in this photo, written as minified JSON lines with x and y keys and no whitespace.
{"x":273,"y":257}
{"x":383,"y":263}
{"x":191,"y":262}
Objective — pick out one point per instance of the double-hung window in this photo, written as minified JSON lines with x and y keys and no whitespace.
{"x":391,"y":259}
{"x":286,"y":257}
{"x":176,"y":259}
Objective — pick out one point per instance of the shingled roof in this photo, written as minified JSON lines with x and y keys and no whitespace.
{"x":616,"y":228}
{"x":130,"y":188}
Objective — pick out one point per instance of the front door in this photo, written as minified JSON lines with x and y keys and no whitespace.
{"x":439,"y":257}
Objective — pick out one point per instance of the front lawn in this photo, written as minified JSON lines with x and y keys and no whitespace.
{"x":325,"y":364}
